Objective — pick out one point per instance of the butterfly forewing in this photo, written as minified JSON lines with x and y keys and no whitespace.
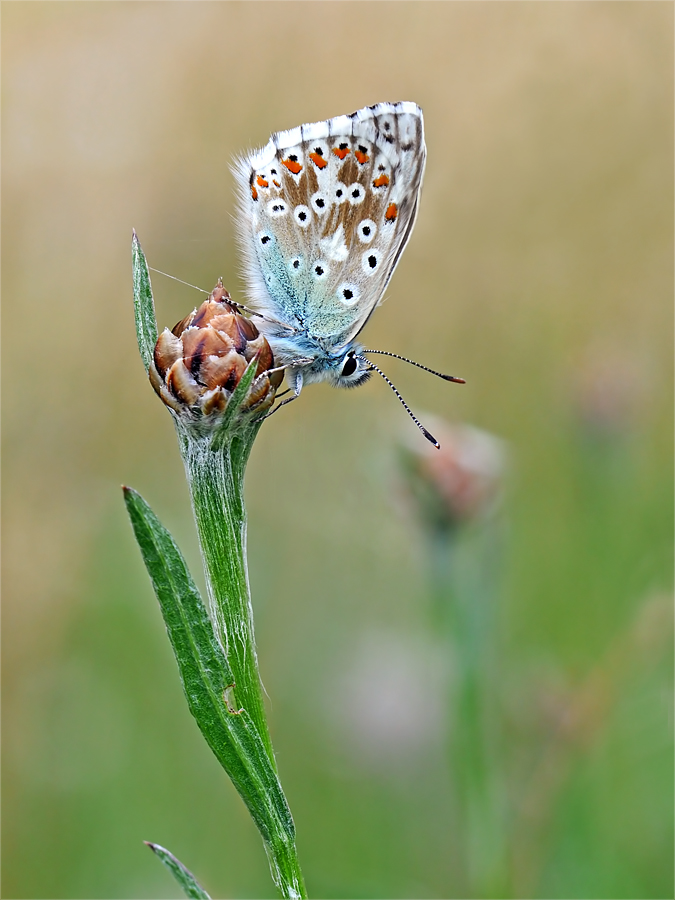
{"x":325,"y":211}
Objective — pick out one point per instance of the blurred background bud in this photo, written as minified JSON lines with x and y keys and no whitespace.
{"x":609,"y":389}
{"x":200,"y":362}
{"x":459,"y":483}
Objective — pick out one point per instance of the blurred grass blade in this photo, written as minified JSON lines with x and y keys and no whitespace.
{"x":144,"y":306}
{"x":183,"y":876}
{"x":211,"y":694}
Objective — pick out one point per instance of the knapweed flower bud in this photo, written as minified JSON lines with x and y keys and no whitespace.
{"x":199,"y":363}
{"x":460,"y":483}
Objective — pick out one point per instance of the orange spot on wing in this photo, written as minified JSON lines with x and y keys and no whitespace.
{"x":391,"y":213}
{"x":318,"y":161}
{"x":340,"y":152}
{"x":275,"y":182}
{"x":291,"y":165}
{"x":254,"y":192}
{"x":381,"y":181}
{"x":261,"y":181}
{"x":361,"y":157}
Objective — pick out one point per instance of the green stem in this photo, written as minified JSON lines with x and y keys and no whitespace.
{"x":286,"y":873}
{"x":215,"y":478}
{"x":216,"y":481}
{"x":464,"y":609}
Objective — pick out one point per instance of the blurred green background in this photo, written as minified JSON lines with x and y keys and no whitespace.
{"x":541,"y":269}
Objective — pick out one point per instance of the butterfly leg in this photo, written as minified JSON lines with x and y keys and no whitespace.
{"x":295,"y":380}
{"x":279,"y":405}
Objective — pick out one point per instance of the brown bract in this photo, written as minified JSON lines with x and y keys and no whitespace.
{"x":198,"y":364}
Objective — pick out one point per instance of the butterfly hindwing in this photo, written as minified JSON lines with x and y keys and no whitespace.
{"x":325,"y":211}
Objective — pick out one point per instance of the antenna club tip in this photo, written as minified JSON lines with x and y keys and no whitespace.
{"x":429,"y":436}
{"x":454,"y":378}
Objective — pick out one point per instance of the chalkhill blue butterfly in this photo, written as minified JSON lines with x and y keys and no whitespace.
{"x":325,"y":212}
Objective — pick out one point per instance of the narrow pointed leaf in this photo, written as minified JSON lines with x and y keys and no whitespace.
{"x":191,"y":887}
{"x":207,"y":677}
{"x":144,"y":306}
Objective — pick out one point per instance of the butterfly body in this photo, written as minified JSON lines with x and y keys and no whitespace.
{"x":325,"y":211}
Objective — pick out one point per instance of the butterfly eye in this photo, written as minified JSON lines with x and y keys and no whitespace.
{"x":348,"y":294}
{"x":366,"y":231}
{"x":349,"y":366}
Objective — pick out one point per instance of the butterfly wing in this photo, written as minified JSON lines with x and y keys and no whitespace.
{"x":325,"y":211}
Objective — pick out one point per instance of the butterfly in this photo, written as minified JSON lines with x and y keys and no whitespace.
{"x":325,"y":211}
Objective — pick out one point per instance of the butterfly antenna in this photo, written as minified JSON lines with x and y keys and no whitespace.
{"x":180,"y":280}
{"x":427,"y":434}
{"x":234,"y":303}
{"x":230,"y":302}
{"x":419,"y":366}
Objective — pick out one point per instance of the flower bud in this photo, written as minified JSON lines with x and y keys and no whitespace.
{"x":199,"y":363}
{"x":459,"y":484}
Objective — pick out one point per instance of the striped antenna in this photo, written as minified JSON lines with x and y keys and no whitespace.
{"x":419,"y":366}
{"x":427,"y":434}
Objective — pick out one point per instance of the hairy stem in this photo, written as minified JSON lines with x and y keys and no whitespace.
{"x":215,"y":478}
{"x":216,"y":481}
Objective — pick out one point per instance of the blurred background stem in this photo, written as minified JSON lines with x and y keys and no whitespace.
{"x":457,"y":493}
{"x":463,"y":567}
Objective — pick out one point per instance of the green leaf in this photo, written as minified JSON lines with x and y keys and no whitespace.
{"x":207,"y":678}
{"x":144,"y":306}
{"x":233,"y":408}
{"x":183,"y":876}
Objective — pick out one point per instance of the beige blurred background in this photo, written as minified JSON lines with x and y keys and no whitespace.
{"x":540,"y":269}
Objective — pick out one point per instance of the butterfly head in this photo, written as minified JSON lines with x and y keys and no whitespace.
{"x":347,"y":369}
{"x":351,"y":369}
